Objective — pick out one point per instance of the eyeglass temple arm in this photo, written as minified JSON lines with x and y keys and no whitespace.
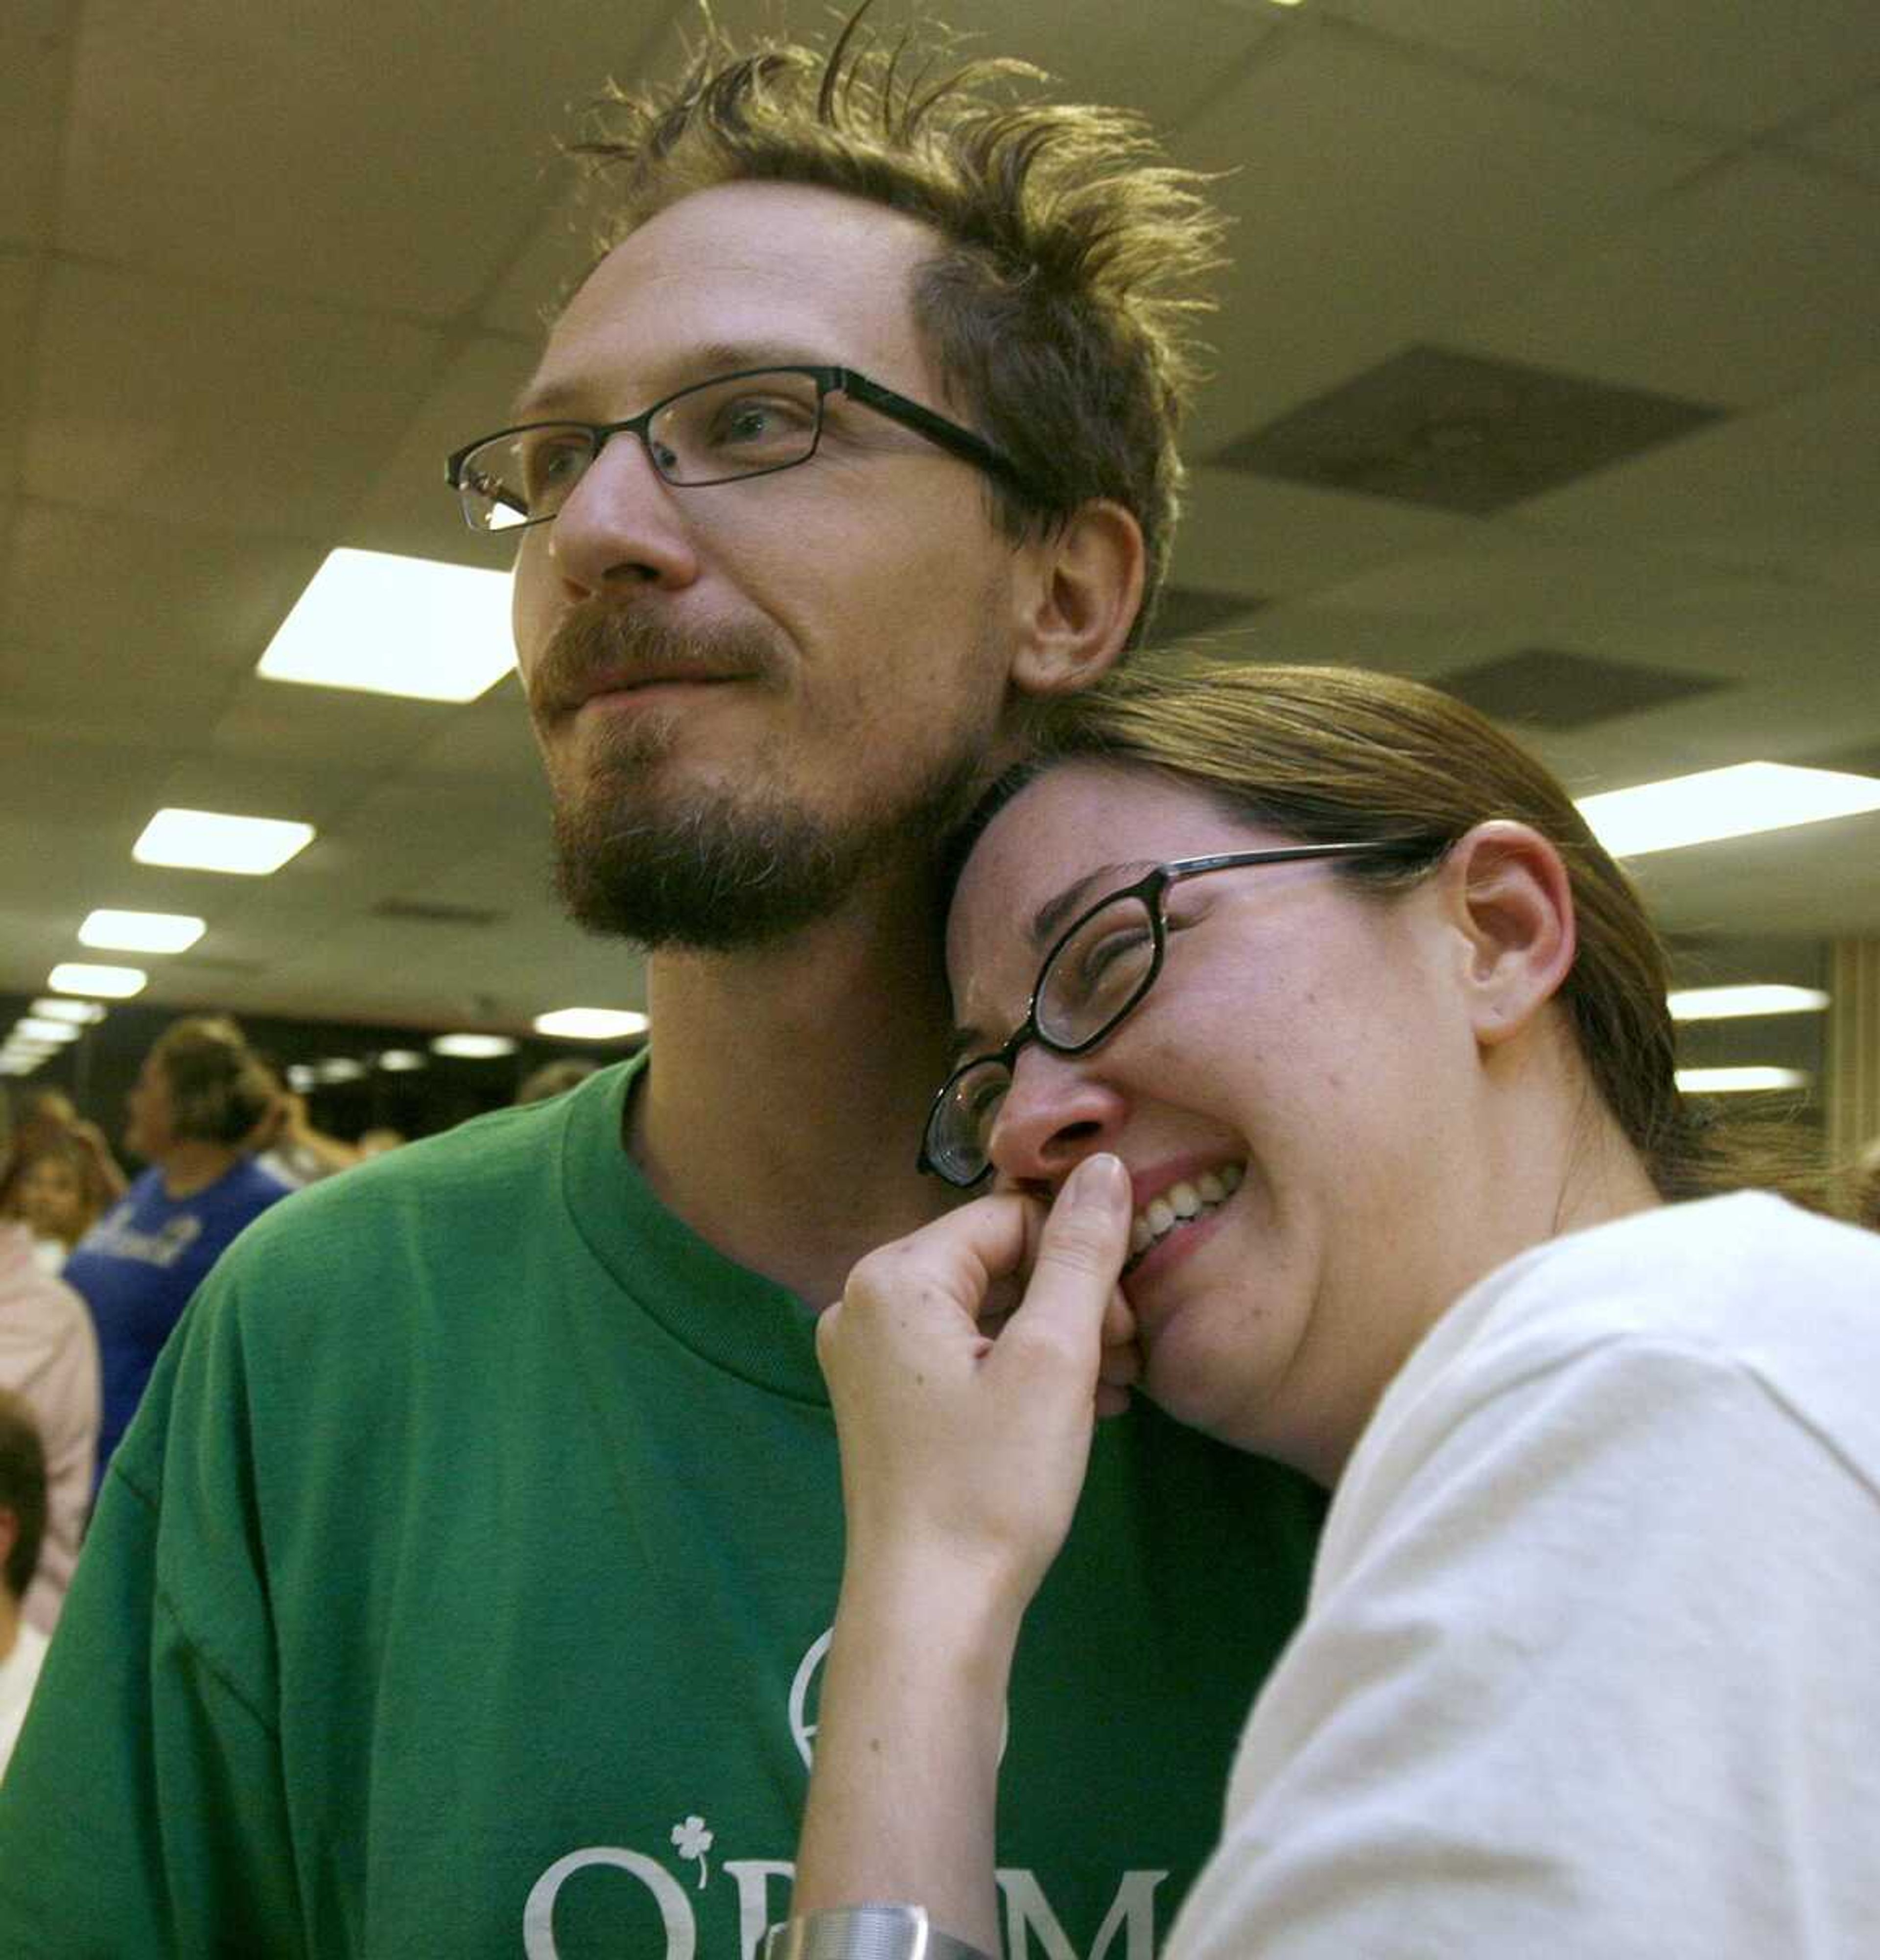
{"x":937,"y":428}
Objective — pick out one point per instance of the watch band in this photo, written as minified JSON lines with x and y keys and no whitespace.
{"x":866,"y":1932}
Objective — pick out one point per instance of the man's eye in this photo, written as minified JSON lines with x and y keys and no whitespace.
{"x":552,"y":463}
{"x":760,"y":422}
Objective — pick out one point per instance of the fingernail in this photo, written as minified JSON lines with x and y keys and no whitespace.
{"x":1098,"y":1180}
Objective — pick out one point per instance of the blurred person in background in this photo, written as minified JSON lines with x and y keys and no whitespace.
{"x":287,"y":1147}
{"x":22,"y":1531}
{"x":58,"y":1190}
{"x":1867,"y":1197}
{"x":554,"y":1078}
{"x":198,"y":1100}
{"x":49,"y":1355}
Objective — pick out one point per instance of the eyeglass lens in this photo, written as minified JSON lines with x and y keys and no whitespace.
{"x":744,"y":426}
{"x":1092,"y":978}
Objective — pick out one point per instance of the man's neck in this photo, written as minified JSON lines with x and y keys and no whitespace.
{"x":9,"y":1624}
{"x":781,"y":1112}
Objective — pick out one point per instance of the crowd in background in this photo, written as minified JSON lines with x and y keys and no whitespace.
{"x":97,"y":1267}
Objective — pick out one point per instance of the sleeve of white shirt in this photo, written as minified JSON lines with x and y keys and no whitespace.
{"x":1600,"y":1679}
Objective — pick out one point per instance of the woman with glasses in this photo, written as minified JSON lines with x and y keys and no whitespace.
{"x":1317,"y":1063}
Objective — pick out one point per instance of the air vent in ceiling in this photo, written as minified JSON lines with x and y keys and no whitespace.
{"x":1460,"y":432}
{"x":426,"y":911}
{"x":207,"y":962}
{"x":1545,"y":687}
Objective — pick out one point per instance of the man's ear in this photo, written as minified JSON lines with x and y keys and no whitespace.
{"x":1077,"y":594}
{"x":1507,"y":896}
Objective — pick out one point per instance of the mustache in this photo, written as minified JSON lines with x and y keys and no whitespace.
{"x":596,"y":645}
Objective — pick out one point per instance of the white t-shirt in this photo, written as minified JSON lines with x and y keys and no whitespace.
{"x":19,"y":1673}
{"x":1591,"y":1667}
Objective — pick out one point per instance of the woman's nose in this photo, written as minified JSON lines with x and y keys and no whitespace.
{"x":1056,"y":1112}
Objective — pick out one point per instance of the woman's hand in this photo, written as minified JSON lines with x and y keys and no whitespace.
{"x":964,"y":1450}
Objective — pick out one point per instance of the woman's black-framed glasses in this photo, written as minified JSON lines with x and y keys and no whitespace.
{"x":752,"y":423}
{"x":1095,"y":975}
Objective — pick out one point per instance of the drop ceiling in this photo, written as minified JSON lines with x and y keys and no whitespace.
{"x":262,"y":266}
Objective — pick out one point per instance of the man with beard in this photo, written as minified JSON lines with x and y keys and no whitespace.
{"x":467,"y":1580}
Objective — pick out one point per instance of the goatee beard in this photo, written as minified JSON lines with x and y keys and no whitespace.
{"x":713,"y":868}
{"x":717,"y":871}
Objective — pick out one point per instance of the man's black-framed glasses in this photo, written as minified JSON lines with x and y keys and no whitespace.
{"x":752,"y":423}
{"x":1095,"y":975}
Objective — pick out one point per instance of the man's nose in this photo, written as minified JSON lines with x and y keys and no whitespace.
{"x":623,"y":524}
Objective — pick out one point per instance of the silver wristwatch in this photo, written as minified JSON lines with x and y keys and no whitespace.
{"x":866,"y":1932}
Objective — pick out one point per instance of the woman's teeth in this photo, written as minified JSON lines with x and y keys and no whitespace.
{"x":1180,"y":1203}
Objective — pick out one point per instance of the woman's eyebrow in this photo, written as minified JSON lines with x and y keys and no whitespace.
{"x":1052,"y":914}
{"x":1045,"y":922}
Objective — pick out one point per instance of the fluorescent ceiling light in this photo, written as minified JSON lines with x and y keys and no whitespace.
{"x":1726,"y":1003}
{"x":401,"y":1061}
{"x":300,"y":1078}
{"x":339,"y":1068}
{"x":380,"y":624}
{"x":80,"y":1014}
{"x":1716,"y":803}
{"x":114,"y":983}
{"x":20,"y":1044}
{"x":1738,"y":1081}
{"x":210,"y":840}
{"x":590,"y":1023}
{"x":140,"y":932}
{"x":31,"y":1028}
{"x":473,"y":1048}
{"x":19,"y":1064}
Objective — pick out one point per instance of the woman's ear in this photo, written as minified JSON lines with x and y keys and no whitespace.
{"x":1077,"y":594}
{"x":1509,"y":899}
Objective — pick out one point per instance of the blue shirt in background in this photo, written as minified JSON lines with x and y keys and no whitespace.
{"x":138,"y":1266}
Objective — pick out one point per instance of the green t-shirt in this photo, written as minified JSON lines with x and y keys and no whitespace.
{"x":462,"y":1589}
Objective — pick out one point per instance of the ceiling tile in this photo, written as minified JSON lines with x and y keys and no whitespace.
{"x":229,"y":140}
{"x":1849,"y":137}
{"x":1765,"y":490}
{"x":19,"y":314}
{"x":35,"y":83}
{"x":1745,"y":68}
{"x":1760,"y":279}
{"x":1377,"y":199}
{"x":1251,"y":535}
{"x":221,"y":408}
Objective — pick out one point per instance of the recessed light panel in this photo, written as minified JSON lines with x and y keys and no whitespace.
{"x":80,"y":1014}
{"x":110,"y":983}
{"x":473,"y":1048}
{"x":400,"y":1060}
{"x":1725,"y":1003}
{"x":140,"y":932}
{"x":30,"y":1027}
{"x":379,"y":624}
{"x":1716,"y":803}
{"x":210,"y":840}
{"x":1738,"y":1081}
{"x":591,"y":1023}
